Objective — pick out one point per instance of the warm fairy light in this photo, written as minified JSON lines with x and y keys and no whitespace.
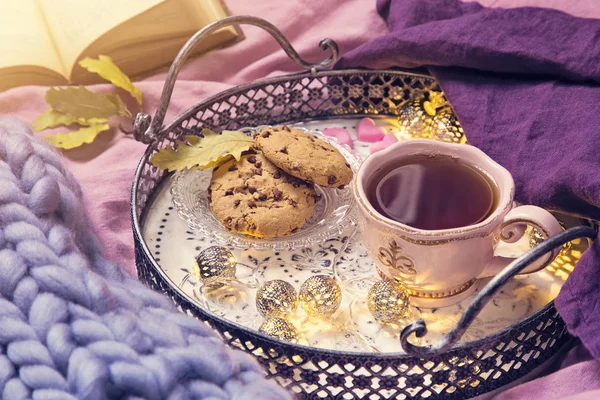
{"x":388,"y":301}
{"x":568,"y":257}
{"x":279,"y":328}
{"x":215,"y":262}
{"x":276,"y":299}
{"x":320,"y":296}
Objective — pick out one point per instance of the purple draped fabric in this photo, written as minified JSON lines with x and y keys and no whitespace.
{"x":524,"y":82}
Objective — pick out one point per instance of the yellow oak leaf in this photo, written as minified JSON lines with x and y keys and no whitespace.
{"x":107,"y":69}
{"x":70,"y":140}
{"x":52,"y":118}
{"x":81,"y":103}
{"x":207,"y":152}
{"x":121,"y":107}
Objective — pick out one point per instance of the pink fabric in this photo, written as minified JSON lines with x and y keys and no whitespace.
{"x":105,"y":169}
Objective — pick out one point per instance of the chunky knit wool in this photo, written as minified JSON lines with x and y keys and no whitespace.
{"x":72,"y":325}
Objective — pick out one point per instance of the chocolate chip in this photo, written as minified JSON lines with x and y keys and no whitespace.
{"x":258,"y":164}
{"x":229,"y":192}
{"x":331,"y":179}
{"x":251,"y":204}
{"x":277,"y":194}
{"x":287,"y":129}
{"x":215,"y":169}
{"x":277,"y":174}
{"x":324,"y":148}
{"x":209,"y":191}
{"x":293,"y":203}
{"x":341,"y":187}
{"x":295,"y":166}
{"x":347,"y":165}
{"x":210,"y":198}
{"x":236,"y":203}
{"x":252,"y":227}
{"x":252,"y":159}
{"x":283,"y":150}
{"x":232,"y":168}
{"x":258,"y":171}
{"x":251,"y":189}
{"x":237,"y":225}
{"x":294,"y":230}
{"x":312,"y":139}
{"x":262,"y":197}
{"x":228,"y":220}
{"x":317,"y":197}
{"x":266,"y":134}
{"x":296,"y":184}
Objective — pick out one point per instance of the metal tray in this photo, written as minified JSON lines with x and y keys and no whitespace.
{"x":440,"y":369}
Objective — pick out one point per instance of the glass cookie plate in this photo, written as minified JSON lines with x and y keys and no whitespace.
{"x":352,"y":329}
{"x":333,"y":214}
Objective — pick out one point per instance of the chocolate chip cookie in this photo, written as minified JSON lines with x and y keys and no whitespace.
{"x":254,"y":197}
{"x":304,"y":156}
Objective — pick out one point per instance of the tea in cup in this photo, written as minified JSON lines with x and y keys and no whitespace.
{"x":432,"y":214}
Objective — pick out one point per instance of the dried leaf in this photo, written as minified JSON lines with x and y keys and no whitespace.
{"x":81,"y":103}
{"x":106,"y":68}
{"x":70,"y":140}
{"x":122,"y":109}
{"x":52,"y":118}
{"x":207,"y":152}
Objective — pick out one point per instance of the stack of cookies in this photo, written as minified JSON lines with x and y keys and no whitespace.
{"x":270,"y":192}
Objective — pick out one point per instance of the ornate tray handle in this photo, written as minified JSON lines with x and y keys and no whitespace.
{"x":419,"y":328}
{"x":147,"y":129}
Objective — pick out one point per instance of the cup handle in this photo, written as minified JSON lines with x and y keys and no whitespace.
{"x":513,"y":228}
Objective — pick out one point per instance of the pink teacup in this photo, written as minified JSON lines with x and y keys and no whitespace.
{"x":441,"y":266}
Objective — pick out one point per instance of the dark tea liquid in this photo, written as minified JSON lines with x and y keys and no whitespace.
{"x":432,"y":193}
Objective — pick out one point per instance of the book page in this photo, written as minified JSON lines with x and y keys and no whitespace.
{"x":206,"y":11}
{"x":75,"y":24}
{"x":24,"y":37}
{"x":171,"y":19}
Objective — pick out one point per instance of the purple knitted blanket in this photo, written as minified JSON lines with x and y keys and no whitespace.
{"x":72,"y":325}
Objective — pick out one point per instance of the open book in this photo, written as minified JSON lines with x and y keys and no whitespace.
{"x":41,"y":41}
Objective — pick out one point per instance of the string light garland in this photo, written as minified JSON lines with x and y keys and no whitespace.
{"x":320,"y":296}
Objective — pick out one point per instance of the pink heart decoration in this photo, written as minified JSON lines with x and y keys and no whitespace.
{"x":340,"y":134}
{"x":367,"y":131}
{"x":387,"y":141}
